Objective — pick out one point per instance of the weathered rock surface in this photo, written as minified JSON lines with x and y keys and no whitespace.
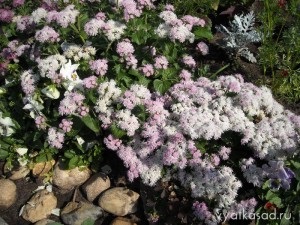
{"x":122,"y":221}
{"x":95,"y":185}
{"x":41,"y":168}
{"x":8,"y":193}
{"x":74,"y":213}
{"x":19,"y":173}
{"x":2,"y":221}
{"x":39,"y":206}
{"x":44,"y":222}
{"x":119,"y":201}
{"x":68,"y":179}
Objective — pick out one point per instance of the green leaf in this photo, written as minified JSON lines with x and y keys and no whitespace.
{"x":91,"y":123}
{"x":270,"y":195}
{"x":117,"y":132}
{"x":88,"y":222}
{"x":3,"y":154}
{"x":203,"y":32}
{"x":295,"y":164}
{"x":286,"y":219}
{"x":74,"y":162}
{"x":69,"y":154}
{"x":161,"y":86}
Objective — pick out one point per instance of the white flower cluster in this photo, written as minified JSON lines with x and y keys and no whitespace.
{"x":115,"y":30}
{"x":51,"y":64}
{"x":38,"y":14}
{"x":76,"y":52}
{"x":177,"y":29}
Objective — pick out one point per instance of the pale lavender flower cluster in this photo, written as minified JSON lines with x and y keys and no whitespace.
{"x":66,"y":125}
{"x":178,"y":29}
{"x":99,"y":66}
{"x":147,"y":70}
{"x":189,"y":61}
{"x":195,"y":110}
{"x":161,"y":62}
{"x":55,"y":138}
{"x":113,"y":30}
{"x":202,"y":48}
{"x":65,"y":17}
{"x":6,"y":15}
{"x":47,"y":34}
{"x":72,"y":104}
{"x":125,"y":49}
{"x":90,"y":82}
{"x":40,"y":122}
{"x":28,"y":82}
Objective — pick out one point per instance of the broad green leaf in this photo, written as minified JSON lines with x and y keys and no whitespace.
{"x":3,"y":154}
{"x":270,"y":195}
{"x":161,"y":86}
{"x":117,"y":132}
{"x":203,"y":32}
{"x":91,"y":123}
{"x":74,"y":162}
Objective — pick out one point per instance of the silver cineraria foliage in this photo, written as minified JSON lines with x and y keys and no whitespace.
{"x":240,"y":34}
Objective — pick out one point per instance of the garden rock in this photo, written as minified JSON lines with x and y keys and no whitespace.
{"x":2,"y":221}
{"x":122,"y":221}
{"x":8,"y":194}
{"x":68,"y":179}
{"x":75,"y":213}
{"x":19,"y":173}
{"x":95,"y":185}
{"x":39,"y":206}
{"x":44,"y":222}
{"x":42,"y":168}
{"x":119,"y":201}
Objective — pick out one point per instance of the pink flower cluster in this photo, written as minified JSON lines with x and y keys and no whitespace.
{"x":55,"y":138}
{"x":99,"y":66}
{"x":47,"y":34}
{"x":72,"y":103}
{"x":125,"y":49}
{"x":66,"y":125}
{"x":178,"y":29}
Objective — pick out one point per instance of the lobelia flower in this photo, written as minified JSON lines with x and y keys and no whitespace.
{"x":70,"y":76}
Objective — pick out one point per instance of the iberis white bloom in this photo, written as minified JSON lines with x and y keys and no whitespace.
{"x":34,"y":104}
{"x":22,"y":151}
{"x":51,"y":92}
{"x":70,"y":76}
{"x":6,"y":125}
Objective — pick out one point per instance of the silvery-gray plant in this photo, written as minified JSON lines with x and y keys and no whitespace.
{"x":240,"y":33}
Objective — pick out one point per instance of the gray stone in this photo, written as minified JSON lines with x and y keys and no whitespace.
{"x":44,"y":222}
{"x":74,"y":213}
{"x":119,"y":201}
{"x":95,"y":185}
{"x":39,"y":206}
{"x":2,"y":221}
{"x":8,"y":193}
